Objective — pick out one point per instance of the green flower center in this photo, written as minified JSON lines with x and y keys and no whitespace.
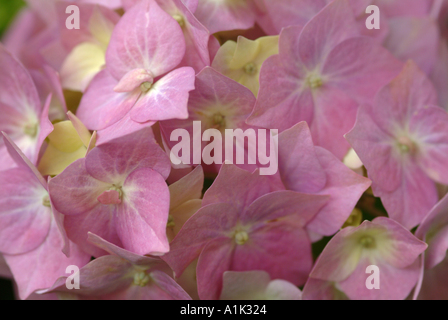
{"x":368,"y":242}
{"x":250,"y":68}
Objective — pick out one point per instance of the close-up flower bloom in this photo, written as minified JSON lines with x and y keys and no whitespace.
{"x":223,"y":150}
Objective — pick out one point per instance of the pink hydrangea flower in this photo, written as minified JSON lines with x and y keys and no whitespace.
{"x":131,"y":85}
{"x":218,"y":103}
{"x":123,"y":275}
{"x":23,"y":118}
{"x":402,"y":141}
{"x":246,"y":223}
{"x":324,"y":70}
{"x":29,"y":231}
{"x":383,"y":243}
{"x":314,"y":170}
{"x":118,"y":192}
{"x":226,"y":14}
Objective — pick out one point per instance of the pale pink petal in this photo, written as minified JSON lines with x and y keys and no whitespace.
{"x":297,"y":160}
{"x":395,"y":284}
{"x":101,"y":106}
{"x":74,"y":191}
{"x":414,"y":38}
{"x":215,"y":259}
{"x":122,"y":128}
{"x":47,"y":261}
{"x":122,"y":253}
{"x":244,"y":189}
{"x":360,"y":68}
{"x":431,"y":126}
{"x":213,"y":221}
{"x":141,"y":220}
{"x":298,"y":208}
{"x":167,"y":98}
{"x":345,"y":188}
{"x":119,"y":157}
{"x":24,"y":220}
{"x":334,"y":24}
{"x":280,"y":248}
{"x":145,"y":37}
{"x":225,"y":15}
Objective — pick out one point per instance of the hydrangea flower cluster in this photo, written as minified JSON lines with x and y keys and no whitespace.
{"x":92,"y":205}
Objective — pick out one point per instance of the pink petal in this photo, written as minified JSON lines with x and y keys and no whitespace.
{"x":435,"y":283}
{"x":370,"y":142}
{"x":360,"y":67}
{"x":414,"y":38}
{"x":72,"y":37}
{"x":24,"y":220}
{"x":101,"y":220}
{"x":122,"y":253}
{"x":280,"y":248}
{"x":298,"y":208}
{"x":243,"y":189}
{"x":431,"y":125}
{"x":167,"y":98}
{"x":285,"y":13}
{"x":118,"y":158}
{"x":334,"y":24}
{"x":213,"y":221}
{"x":316,"y":289}
{"x":133,"y":79}
{"x":244,"y":285}
{"x":141,"y":220}
{"x":74,"y":191}
{"x":433,"y":230}
{"x":22,"y":161}
{"x":297,"y":160}
{"x":144,"y":38}
{"x":345,"y":188}
{"x":16,"y":84}
{"x":47,"y":261}
{"x":101,"y":106}
{"x":122,"y":128}
{"x":412,"y":201}
{"x":109,"y":197}
{"x":332,"y":106}
{"x":395,"y":284}
{"x":215,"y":259}
{"x":225,"y":15}
{"x":196,"y":35}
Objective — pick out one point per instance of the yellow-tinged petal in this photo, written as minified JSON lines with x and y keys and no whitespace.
{"x":180,"y":215}
{"x":101,"y":28}
{"x":64,"y":146}
{"x":242,"y":61}
{"x":246,"y":52}
{"x":81,"y":66}
{"x":65,"y":138}
{"x":92,"y":142}
{"x":55,"y":161}
{"x":83,"y":132}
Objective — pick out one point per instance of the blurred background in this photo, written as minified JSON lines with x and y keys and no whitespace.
{"x":8,"y":10}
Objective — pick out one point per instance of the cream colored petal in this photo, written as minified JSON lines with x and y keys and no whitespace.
{"x":55,"y":161}
{"x":83,"y":132}
{"x":81,"y":65}
{"x":246,"y":52}
{"x":101,"y":27}
{"x":65,"y":137}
